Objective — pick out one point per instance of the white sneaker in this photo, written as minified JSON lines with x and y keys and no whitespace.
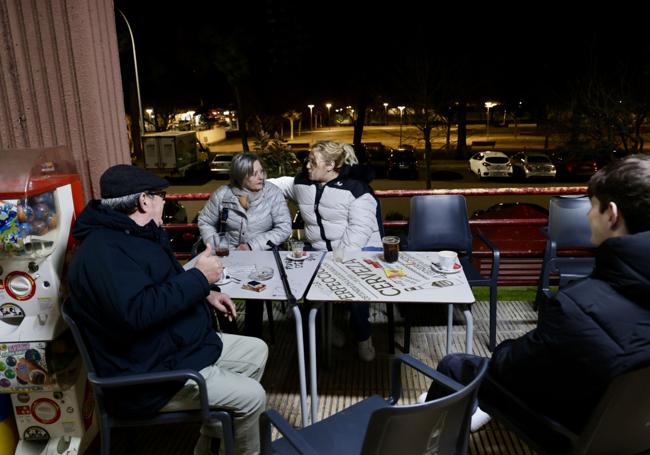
{"x":366,"y":350}
{"x":479,"y":418}
{"x":338,"y":338}
{"x":423,"y":397}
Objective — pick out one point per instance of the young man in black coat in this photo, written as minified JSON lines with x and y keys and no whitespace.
{"x":592,"y":330}
{"x":142,"y":312}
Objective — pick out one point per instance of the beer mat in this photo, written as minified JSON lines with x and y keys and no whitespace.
{"x":394,"y":273}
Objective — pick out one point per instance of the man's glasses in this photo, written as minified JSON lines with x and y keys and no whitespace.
{"x":162,"y":194}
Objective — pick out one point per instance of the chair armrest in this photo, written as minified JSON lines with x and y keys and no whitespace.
{"x":496,"y":254}
{"x":271,"y":417}
{"x":538,"y":418}
{"x":157,"y":377}
{"x":396,"y":377}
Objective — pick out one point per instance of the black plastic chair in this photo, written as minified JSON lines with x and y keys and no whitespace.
{"x":568,"y":229}
{"x":107,"y":421}
{"x":440,"y":223}
{"x":618,"y":425}
{"x":197,"y":248}
{"x":376,"y":426}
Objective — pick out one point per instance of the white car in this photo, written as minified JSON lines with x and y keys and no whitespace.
{"x":532,"y":164}
{"x":220,"y":164}
{"x":490,"y":164}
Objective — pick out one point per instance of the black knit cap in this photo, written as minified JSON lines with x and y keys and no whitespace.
{"x":124,"y":179}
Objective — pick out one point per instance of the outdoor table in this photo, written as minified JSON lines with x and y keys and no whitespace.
{"x":364,"y":277}
{"x":241,"y":266}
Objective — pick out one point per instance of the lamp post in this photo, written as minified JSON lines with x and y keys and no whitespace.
{"x":328,"y":106}
{"x":311,"y":116}
{"x":385,"y":113}
{"x":137,"y":80}
{"x":488,"y":105}
{"x":401,"y":116}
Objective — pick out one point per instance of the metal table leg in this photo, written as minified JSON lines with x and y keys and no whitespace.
{"x":469,"y":325}
{"x":301,"y":364}
{"x":313,"y":373}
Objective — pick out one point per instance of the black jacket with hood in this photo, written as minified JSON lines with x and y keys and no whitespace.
{"x":593,"y":331}
{"x":137,"y":308}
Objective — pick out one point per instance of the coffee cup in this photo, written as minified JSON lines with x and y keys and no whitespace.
{"x":339,"y":254}
{"x":447,"y":259}
{"x":391,"y":248}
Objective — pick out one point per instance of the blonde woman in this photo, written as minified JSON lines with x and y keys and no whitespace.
{"x":339,"y":209}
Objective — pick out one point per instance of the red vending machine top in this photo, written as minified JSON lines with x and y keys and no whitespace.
{"x":40,"y":195}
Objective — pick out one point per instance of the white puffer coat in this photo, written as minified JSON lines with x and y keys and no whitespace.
{"x":342,"y":212}
{"x":267,"y":218}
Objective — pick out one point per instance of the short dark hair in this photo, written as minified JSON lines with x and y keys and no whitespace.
{"x":626,"y":182}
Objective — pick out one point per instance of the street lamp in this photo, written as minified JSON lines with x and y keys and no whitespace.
{"x":137,"y":81}
{"x":311,"y":116}
{"x":488,"y":105}
{"x":385,"y":113}
{"x":328,"y":106}
{"x":401,"y":116}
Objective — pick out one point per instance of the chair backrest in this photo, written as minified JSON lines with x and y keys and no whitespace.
{"x":439,"y":223}
{"x":85,"y":355}
{"x":620,"y":423}
{"x":567,"y":221}
{"x":78,"y":338}
{"x":437,"y":426}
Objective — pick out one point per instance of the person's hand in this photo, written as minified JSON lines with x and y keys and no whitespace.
{"x":209,"y":265}
{"x":243,"y":247}
{"x":222,"y":303}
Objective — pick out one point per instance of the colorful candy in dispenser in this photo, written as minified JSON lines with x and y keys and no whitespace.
{"x":25,"y":213}
{"x":11,"y":235}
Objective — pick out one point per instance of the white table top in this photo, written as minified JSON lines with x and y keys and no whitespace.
{"x":240,"y":264}
{"x":358,"y":279}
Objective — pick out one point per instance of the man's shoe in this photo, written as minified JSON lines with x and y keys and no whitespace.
{"x":366,"y":350}
{"x":479,"y":419}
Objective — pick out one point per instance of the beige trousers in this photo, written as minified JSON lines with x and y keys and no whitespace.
{"x":233,"y":385}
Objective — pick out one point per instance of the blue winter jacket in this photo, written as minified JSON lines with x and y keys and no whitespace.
{"x":137,"y":308}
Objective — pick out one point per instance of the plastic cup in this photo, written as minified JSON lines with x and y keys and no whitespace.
{"x":391,"y":248}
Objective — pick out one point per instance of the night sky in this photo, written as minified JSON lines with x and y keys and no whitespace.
{"x":283,"y":54}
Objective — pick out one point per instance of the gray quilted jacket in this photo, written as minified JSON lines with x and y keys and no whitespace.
{"x":267,"y":218}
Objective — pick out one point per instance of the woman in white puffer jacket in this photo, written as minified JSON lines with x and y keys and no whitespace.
{"x":256,"y":213}
{"x":339,"y":210}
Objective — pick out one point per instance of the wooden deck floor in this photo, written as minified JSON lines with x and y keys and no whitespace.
{"x":350,"y":380}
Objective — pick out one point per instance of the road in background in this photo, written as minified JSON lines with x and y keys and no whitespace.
{"x":506,"y":139}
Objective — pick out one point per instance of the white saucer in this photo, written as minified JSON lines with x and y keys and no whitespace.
{"x":301,"y":258}
{"x":437,"y":269}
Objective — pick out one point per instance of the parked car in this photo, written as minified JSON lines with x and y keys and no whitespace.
{"x":402,"y":163}
{"x":490,"y":164}
{"x":377,"y":156}
{"x":532,"y":164}
{"x":579,"y":165}
{"x":220,"y":164}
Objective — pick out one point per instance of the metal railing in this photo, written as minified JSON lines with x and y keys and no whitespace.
{"x":522,"y":191}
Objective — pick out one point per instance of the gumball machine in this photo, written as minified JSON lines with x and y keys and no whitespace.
{"x":40,"y":197}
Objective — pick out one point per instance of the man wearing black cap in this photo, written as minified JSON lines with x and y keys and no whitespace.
{"x":142,"y":312}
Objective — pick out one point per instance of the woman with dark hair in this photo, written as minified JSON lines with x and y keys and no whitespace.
{"x":256,"y":213}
